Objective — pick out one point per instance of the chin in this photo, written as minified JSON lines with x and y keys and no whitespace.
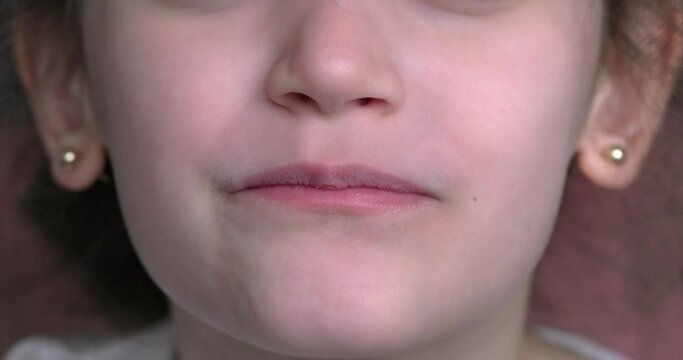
{"x":341,"y":317}
{"x":339,"y":336}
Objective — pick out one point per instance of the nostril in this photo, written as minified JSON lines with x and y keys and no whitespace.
{"x":304,"y":98}
{"x":299,"y":98}
{"x":369,"y":101}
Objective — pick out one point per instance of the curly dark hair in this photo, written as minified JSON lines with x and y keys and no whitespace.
{"x":87,"y":227}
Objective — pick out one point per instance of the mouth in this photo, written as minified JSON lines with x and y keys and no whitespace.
{"x":350,"y":188}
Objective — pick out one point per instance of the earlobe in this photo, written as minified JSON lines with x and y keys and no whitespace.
{"x":610,"y":149}
{"x":75,"y":169}
{"x":610,"y":162}
{"x":60,"y":105}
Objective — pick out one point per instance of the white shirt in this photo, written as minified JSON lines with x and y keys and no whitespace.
{"x":154,"y":343}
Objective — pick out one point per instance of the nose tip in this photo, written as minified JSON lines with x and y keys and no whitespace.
{"x":332,"y":86}
{"x":332,"y":65}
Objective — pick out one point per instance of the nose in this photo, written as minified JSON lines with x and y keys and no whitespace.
{"x":335,"y":61}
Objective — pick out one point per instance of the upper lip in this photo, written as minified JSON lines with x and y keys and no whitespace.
{"x":330,"y":178}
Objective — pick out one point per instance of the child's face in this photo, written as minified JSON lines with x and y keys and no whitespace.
{"x":480,"y":103}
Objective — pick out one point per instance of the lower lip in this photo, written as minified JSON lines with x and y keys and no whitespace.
{"x":350,"y":199}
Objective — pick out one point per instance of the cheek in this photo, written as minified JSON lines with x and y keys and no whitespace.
{"x":148,"y":89}
{"x":160,"y":110}
{"x":508,"y":103}
{"x":506,"y":110}
{"x":165,"y":101}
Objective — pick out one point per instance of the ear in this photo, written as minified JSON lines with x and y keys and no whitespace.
{"x":630,"y":102}
{"x":47,"y":62}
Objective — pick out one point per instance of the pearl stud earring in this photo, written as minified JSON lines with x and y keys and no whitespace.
{"x":68,"y":157}
{"x":616,"y":154}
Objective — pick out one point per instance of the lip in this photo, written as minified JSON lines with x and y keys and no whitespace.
{"x":354,"y":188}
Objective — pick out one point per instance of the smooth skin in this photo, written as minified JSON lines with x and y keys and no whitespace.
{"x":484,"y":103}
